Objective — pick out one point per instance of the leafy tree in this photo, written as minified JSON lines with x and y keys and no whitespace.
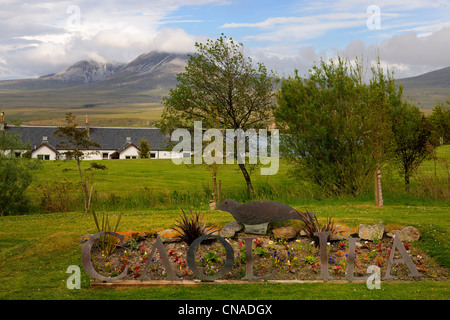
{"x":77,"y":143}
{"x":144,"y":152}
{"x":412,"y":132}
{"x":15,"y":175}
{"x":220,"y":87}
{"x":336,"y":128}
{"x":440,"y":121}
{"x":382,"y":95}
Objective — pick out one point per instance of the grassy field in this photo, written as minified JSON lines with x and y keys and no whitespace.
{"x":106,"y":108}
{"x":37,"y":248}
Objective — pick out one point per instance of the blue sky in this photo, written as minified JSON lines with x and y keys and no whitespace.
{"x":42,"y":37}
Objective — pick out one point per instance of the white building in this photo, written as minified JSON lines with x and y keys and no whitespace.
{"x":115,"y":143}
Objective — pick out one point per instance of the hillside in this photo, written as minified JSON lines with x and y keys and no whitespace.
{"x":426,"y":88}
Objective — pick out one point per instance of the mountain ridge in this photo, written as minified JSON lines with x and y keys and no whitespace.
{"x":439,"y":78}
{"x":140,"y":73}
{"x":426,"y":89}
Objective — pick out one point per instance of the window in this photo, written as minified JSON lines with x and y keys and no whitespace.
{"x":130,"y":157}
{"x":17,"y":154}
{"x":43,"y":156}
{"x":152,"y":155}
{"x":105,"y":155}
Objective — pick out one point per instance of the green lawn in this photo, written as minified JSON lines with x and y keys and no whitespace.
{"x":36,"y":249}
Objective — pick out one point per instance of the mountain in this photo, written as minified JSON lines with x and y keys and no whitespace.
{"x":149,"y":70}
{"x":86,"y":72}
{"x":434,"y":79}
{"x":81,"y":72}
{"x":425,"y":89}
{"x":113,"y":94}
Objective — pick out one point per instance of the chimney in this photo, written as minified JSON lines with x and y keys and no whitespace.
{"x":87,"y":125}
{"x":2,"y":121}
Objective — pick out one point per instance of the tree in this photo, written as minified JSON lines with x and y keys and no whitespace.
{"x":77,"y":143}
{"x":335,"y":126}
{"x":440,"y":121}
{"x":383,"y":95}
{"x":412,"y":132}
{"x":144,"y":149}
{"x":220,"y":87}
{"x":15,"y":174}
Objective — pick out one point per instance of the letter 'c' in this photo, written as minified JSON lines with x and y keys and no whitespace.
{"x":86,"y":257}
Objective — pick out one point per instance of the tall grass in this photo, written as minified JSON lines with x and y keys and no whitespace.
{"x":159,"y":184}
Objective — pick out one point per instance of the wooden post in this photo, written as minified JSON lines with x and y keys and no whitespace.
{"x":378,"y":192}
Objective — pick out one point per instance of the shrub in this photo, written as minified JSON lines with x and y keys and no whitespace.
{"x":191,"y":228}
{"x":107,"y":242}
{"x":311,"y":225}
{"x":57,"y":196}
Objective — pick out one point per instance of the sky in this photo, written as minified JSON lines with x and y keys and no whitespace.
{"x":43,"y":37}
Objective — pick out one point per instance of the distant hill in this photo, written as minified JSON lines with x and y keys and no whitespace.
{"x":426,"y":88}
{"x":115,"y":94}
{"x":149,"y":70}
{"x":86,"y":72}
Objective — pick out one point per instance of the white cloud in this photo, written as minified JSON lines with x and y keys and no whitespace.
{"x":42,"y":37}
{"x":406,"y":55}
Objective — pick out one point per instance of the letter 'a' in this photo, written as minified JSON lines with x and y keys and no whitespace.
{"x":405,"y":259}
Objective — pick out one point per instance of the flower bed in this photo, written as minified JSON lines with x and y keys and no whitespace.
{"x":297,"y":259}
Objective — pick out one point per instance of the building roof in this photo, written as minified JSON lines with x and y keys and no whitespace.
{"x":108,"y":138}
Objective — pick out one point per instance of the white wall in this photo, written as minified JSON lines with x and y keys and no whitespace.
{"x":92,"y":155}
{"x":129,"y":152}
{"x":44,"y":150}
{"x":169,"y":155}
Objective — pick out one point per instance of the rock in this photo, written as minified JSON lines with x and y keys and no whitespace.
{"x":284,"y":233}
{"x":342,"y":232}
{"x":256,"y":228}
{"x":230,"y":229}
{"x":367,"y":232}
{"x":168,"y":235}
{"x":407,"y":234}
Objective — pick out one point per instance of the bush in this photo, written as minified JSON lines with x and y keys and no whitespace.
{"x":58,"y":196}
{"x":311,"y":225}
{"x":15,"y":176}
{"x":191,"y":228}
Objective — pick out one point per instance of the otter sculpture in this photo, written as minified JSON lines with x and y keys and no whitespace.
{"x":258,"y":212}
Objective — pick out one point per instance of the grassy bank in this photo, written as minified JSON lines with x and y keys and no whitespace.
{"x":149,"y":183}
